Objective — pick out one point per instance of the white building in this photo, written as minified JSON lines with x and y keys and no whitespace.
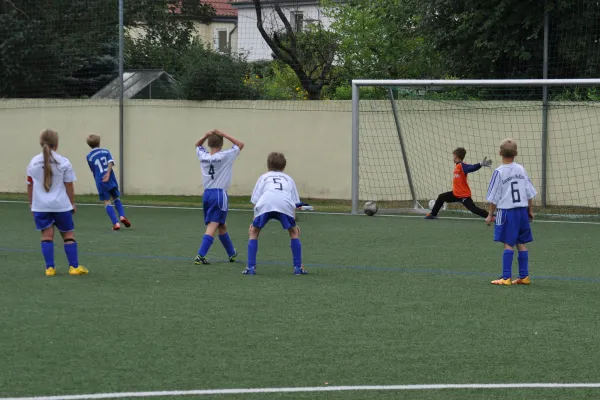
{"x":299,"y":13}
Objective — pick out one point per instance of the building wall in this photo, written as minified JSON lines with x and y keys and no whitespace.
{"x":250,"y":39}
{"x":159,"y":156}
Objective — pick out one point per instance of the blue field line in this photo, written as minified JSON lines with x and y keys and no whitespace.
{"x":358,"y":267}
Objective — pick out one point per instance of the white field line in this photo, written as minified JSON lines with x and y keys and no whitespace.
{"x":205,"y":392}
{"x":318,"y":213}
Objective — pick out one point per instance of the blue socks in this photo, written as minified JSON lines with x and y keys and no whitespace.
{"x":119,"y":207}
{"x":228,"y":244}
{"x":111,"y":214}
{"x":252,"y":250}
{"x":207,"y":241}
{"x":507,"y":259}
{"x":523,"y":258}
{"x":71,"y":252}
{"x":48,"y":252}
{"x":296,"y":252}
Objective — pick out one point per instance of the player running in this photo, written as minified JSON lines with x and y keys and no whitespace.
{"x":216,"y":165}
{"x":51,"y":195}
{"x":461,"y":192}
{"x":275,"y":197}
{"x":102,"y":165}
{"x":510,"y":195}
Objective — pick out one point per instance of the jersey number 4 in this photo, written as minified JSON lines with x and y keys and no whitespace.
{"x":211,"y":171}
{"x":102,"y":163}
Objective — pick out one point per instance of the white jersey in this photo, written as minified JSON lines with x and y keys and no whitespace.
{"x":275,"y":191}
{"x":56,"y":200}
{"x":510,"y":187}
{"x":217,"y":168}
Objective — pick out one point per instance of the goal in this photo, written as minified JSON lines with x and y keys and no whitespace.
{"x":404,"y":132}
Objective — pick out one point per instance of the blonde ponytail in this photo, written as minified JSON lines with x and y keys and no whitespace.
{"x":49,"y":142}
{"x":47,"y":167}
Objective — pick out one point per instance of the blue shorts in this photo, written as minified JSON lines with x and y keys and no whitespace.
{"x":214,"y":204}
{"x":512,"y":226}
{"x":287,"y":222}
{"x":62,"y":220}
{"x":108,"y":194}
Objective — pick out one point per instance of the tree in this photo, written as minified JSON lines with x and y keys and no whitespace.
{"x":504,"y":38}
{"x":309,"y":53}
{"x":378,"y":40}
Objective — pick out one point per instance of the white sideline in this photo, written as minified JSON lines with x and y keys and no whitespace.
{"x":318,"y":213}
{"x":204,"y":392}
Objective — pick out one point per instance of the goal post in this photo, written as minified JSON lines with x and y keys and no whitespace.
{"x":404,"y":132}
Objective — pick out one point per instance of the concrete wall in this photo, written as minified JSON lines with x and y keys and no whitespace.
{"x":316,"y":138}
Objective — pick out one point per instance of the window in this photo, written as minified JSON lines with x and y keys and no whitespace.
{"x":221,"y":40}
{"x":297,"y":20}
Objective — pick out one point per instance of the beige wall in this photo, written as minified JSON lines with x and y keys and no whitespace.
{"x":316,"y":138}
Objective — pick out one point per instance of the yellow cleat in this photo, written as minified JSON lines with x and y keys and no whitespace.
{"x":500,"y":281}
{"x":81,"y":270}
{"x":51,"y":271}
{"x":522,"y":281}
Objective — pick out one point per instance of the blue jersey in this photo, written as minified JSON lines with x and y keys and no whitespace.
{"x":98,"y":160}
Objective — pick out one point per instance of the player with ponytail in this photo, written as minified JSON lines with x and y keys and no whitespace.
{"x":50,"y":180}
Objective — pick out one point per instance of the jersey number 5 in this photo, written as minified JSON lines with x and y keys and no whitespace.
{"x":516,"y":195}
{"x":276,"y":181}
{"x":211,"y":171}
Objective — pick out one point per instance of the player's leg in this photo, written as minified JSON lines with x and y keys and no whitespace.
{"x":293,"y":229}
{"x":447,"y":197}
{"x":105,"y":198}
{"x":471,"y":206}
{"x":207,"y":242}
{"x":525,"y":236}
{"x":504,"y":232}
{"x":213,"y":217}
{"x":64,"y":224}
{"x":227,"y":243}
{"x":253,"y":233}
{"x":44,"y":222}
{"x":115,"y":194}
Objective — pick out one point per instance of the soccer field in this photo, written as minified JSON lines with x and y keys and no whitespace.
{"x":388,"y":301}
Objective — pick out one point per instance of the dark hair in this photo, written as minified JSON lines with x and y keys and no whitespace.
{"x":48,"y":141}
{"x":276,"y":162}
{"x":460,"y":152}
{"x":215,"y":141}
{"x":93,"y":141}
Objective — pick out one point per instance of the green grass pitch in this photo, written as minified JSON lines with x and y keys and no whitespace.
{"x":389,"y":300}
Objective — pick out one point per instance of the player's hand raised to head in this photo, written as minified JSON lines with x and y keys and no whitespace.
{"x":486,"y":163}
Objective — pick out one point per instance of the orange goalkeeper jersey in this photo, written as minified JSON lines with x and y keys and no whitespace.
{"x":460,"y":186}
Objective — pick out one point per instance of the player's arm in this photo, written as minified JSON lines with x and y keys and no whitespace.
{"x":200,"y":142}
{"x":30,"y":190}
{"x":258,"y":190}
{"x":530,"y":192}
{"x":492,"y":195}
{"x":109,"y":171}
{"x":233,"y":140}
{"x":68,"y":179}
{"x":468,"y":168}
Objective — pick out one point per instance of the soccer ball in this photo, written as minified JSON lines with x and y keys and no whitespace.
{"x":371,"y":208}
{"x":432,"y":203}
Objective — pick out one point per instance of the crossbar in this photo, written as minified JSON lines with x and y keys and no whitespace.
{"x":478,"y":82}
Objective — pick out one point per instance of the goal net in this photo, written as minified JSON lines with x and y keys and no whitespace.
{"x":404,"y":133}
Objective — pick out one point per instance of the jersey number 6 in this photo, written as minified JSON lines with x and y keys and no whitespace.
{"x":516,"y":195}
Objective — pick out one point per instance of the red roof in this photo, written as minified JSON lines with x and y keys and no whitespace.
{"x":222,"y":7}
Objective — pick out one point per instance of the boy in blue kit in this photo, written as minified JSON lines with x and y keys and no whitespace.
{"x":101,"y":164}
{"x":216,"y":165}
{"x":510,"y":195}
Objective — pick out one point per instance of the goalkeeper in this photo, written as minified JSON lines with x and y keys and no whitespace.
{"x":461,"y":192}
